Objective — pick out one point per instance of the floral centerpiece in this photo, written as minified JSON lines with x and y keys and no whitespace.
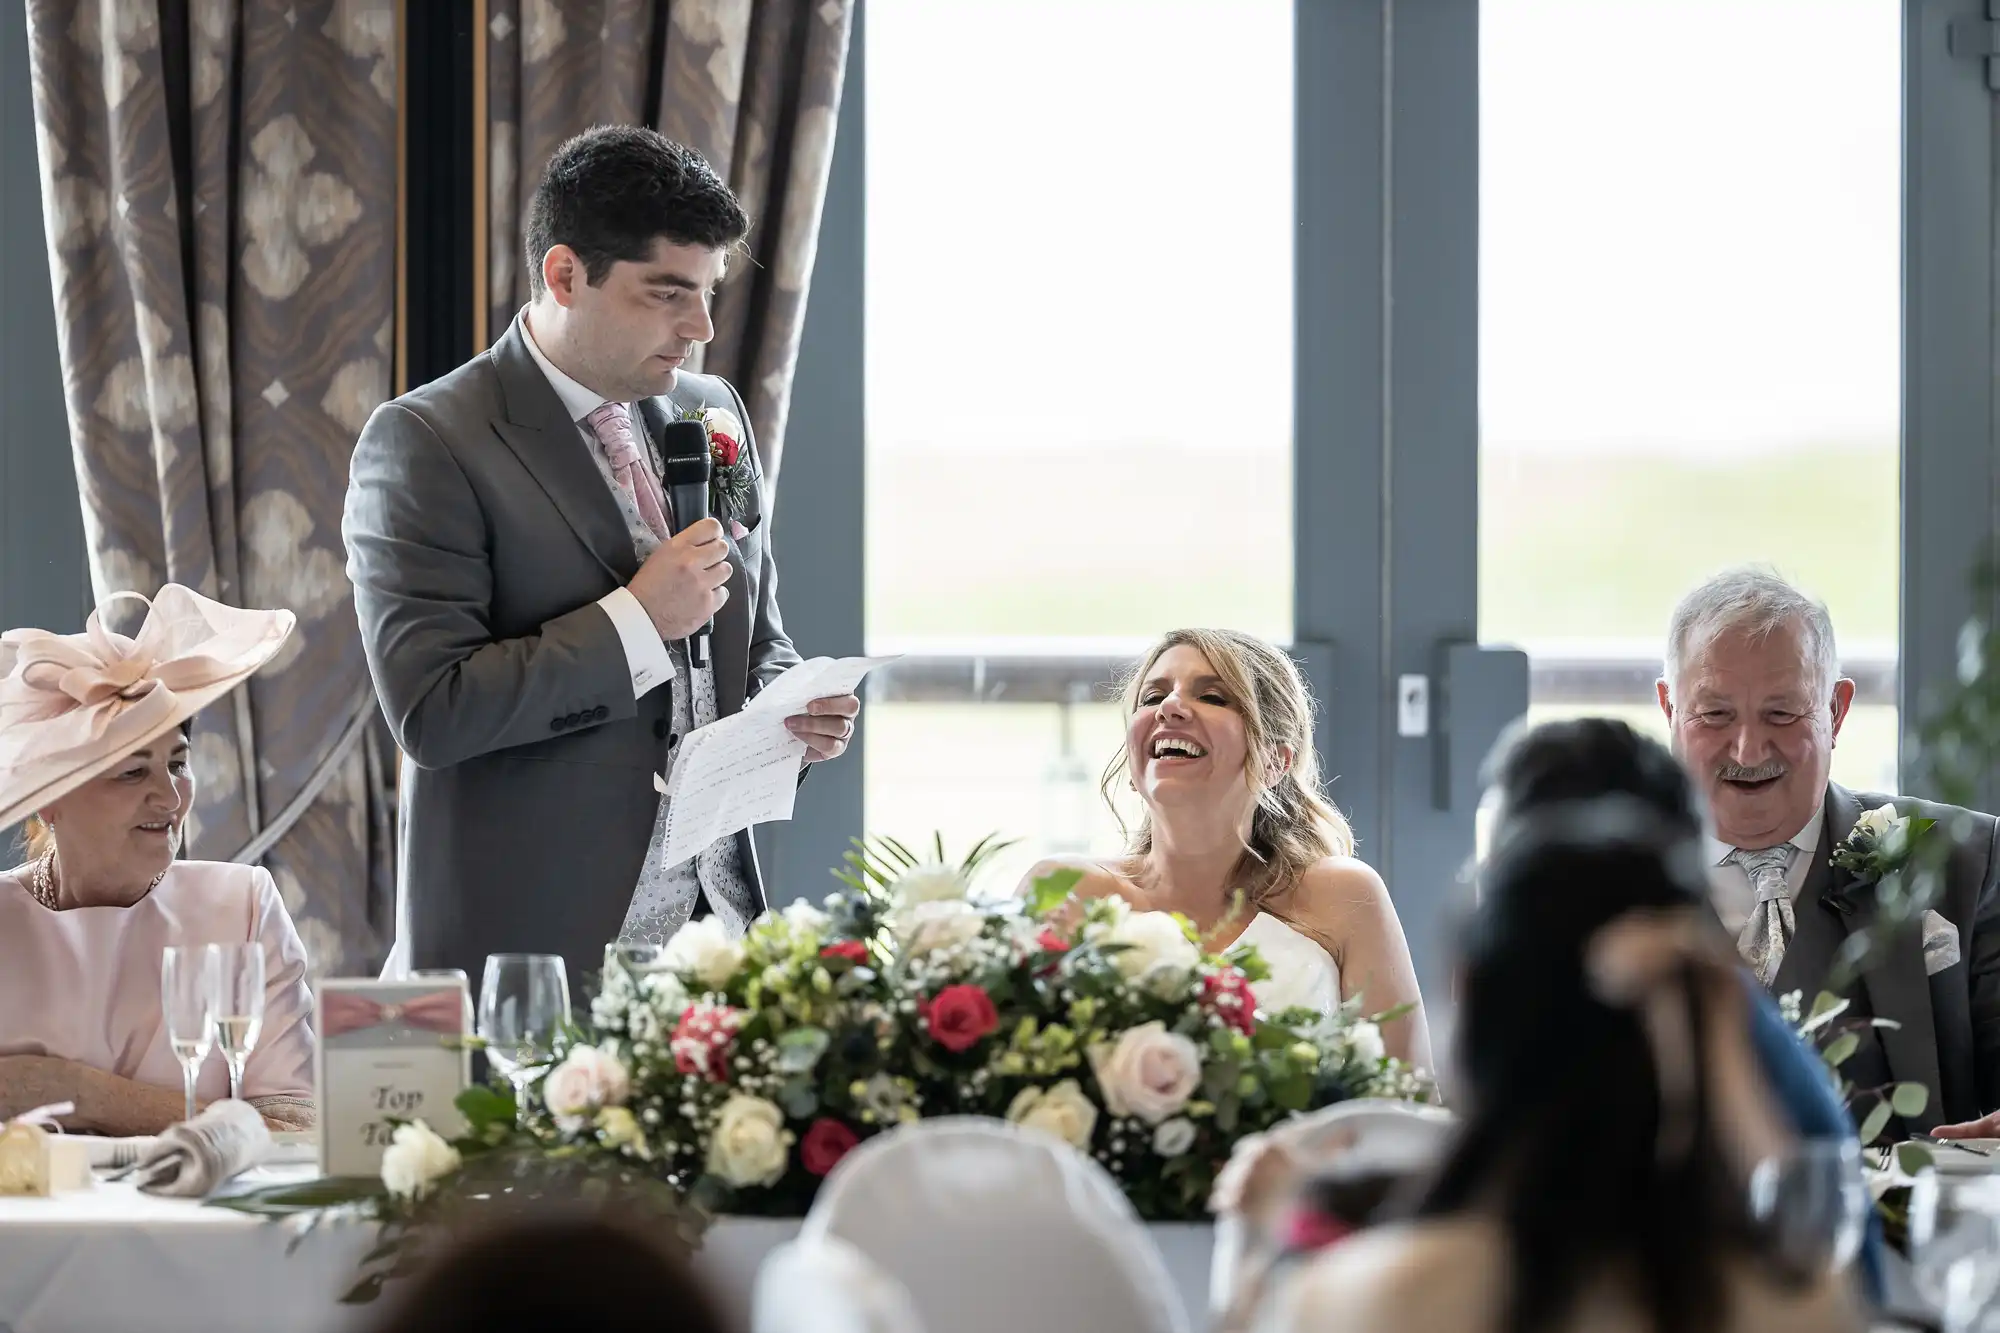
{"x":734,"y":1074}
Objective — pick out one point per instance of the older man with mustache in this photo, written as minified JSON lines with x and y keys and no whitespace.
{"x":1755,"y":701}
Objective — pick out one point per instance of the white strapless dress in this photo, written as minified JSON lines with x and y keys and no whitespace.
{"x":1303,"y":974}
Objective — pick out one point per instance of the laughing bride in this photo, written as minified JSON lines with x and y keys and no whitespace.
{"x":1237,"y":837}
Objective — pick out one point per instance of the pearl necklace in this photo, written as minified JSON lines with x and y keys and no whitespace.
{"x":42,"y":887}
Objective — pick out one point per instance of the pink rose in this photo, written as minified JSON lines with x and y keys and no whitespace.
{"x":1149,"y":1072}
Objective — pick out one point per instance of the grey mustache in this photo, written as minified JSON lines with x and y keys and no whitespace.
{"x":1761,"y":773}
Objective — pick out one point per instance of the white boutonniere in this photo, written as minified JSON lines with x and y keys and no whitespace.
{"x":1882,"y":843}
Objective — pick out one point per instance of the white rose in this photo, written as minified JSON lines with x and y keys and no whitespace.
{"x":932,"y":883}
{"x":617,"y":1127}
{"x":931,"y":926}
{"x":1112,"y":913}
{"x":1149,"y":1072}
{"x":587,"y":1080}
{"x":750,"y":1144}
{"x":706,"y":951}
{"x":722,"y":421}
{"x":1159,"y":948}
{"x":1366,"y":1039}
{"x":1063,"y":1110}
{"x":805,"y":919}
{"x":1877,"y":821}
{"x":415,"y":1160}
{"x":1174,"y":1137}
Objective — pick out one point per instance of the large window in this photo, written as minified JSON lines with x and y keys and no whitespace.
{"x":1690,"y":262}
{"x":1079,"y":369}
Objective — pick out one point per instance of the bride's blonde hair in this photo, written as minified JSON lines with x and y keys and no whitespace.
{"x":1293,"y":826}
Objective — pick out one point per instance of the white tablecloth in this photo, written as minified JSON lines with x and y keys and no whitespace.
{"x":112,"y":1259}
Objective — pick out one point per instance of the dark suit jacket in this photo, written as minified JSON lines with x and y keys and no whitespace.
{"x":1948,"y":1036}
{"x":480,"y":535}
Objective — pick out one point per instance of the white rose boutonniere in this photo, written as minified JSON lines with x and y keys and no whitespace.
{"x":1883,"y":842}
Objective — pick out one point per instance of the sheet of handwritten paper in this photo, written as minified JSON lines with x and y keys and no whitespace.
{"x":744,"y":770}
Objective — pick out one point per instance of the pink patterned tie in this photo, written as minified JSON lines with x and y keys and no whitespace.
{"x":612,"y":425}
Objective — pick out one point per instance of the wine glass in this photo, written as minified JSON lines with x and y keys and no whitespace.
{"x":1813,"y":1203}
{"x":239,"y":1005}
{"x":1955,"y":1244}
{"x":188,"y":985}
{"x":523,"y":1002}
{"x":637,"y":956}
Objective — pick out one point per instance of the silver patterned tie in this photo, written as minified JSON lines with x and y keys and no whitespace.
{"x":1769,"y":930}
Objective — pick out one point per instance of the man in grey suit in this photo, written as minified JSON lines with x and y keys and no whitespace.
{"x":1753,"y":695}
{"x":525,"y":595}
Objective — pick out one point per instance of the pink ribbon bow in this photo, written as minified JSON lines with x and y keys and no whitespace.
{"x":41,"y":1115}
{"x":440,"y":1011}
{"x":63,"y":693}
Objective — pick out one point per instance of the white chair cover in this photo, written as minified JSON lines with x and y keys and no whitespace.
{"x":991,"y":1228}
{"x":1374,"y":1132}
{"x":825,"y":1285}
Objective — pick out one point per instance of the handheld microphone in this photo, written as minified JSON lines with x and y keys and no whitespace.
{"x":685,"y":465}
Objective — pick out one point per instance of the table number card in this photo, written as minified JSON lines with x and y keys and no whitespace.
{"x":388,"y":1051}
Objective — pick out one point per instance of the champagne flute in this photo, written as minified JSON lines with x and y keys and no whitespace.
{"x":239,"y":1005}
{"x":188,"y":984}
{"x":1813,"y":1203}
{"x":1955,"y":1244}
{"x":523,"y":1001}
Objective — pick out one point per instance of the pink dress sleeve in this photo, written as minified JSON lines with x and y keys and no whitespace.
{"x":281,"y":1065}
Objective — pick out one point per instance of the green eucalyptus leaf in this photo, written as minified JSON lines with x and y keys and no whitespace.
{"x":799,"y":1097}
{"x":1293,"y":1092}
{"x":1910,"y":1099}
{"x":1840,"y":1049}
{"x":483,"y":1105}
{"x":1877,"y":1121}
{"x":800,"y":1049}
{"x":1913,"y":1158}
{"x":1050,"y":891}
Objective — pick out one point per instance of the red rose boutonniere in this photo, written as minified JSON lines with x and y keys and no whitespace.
{"x":730,"y":478}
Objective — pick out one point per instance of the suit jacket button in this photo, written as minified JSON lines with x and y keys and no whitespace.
{"x":599,"y":713}
{"x":572,"y":720}
{"x":661,"y":729}
{"x":555,"y":724}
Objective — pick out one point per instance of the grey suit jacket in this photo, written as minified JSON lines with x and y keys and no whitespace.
{"x":480,"y":535}
{"x":1948,"y":1036}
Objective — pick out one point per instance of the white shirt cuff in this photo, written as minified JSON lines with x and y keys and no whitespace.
{"x":645,"y":652}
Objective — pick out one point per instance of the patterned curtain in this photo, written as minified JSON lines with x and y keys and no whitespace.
{"x":222,"y":235}
{"x":753,"y":85}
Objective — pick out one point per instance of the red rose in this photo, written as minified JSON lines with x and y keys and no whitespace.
{"x":825,"y":1144}
{"x":1227,"y":994}
{"x":854,"y":951}
{"x":703,"y":1040}
{"x":958,"y":1016}
{"x":724,"y":447}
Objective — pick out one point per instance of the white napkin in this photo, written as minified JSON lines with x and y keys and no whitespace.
{"x":192,"y":1158}
{"x":108,"y":1153}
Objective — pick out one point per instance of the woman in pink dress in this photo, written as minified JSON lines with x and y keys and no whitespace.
{"x":94,"y":744}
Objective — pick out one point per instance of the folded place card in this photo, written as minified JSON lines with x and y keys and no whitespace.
{"x":36,"y":1162}
{"x":389,"y":1051}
